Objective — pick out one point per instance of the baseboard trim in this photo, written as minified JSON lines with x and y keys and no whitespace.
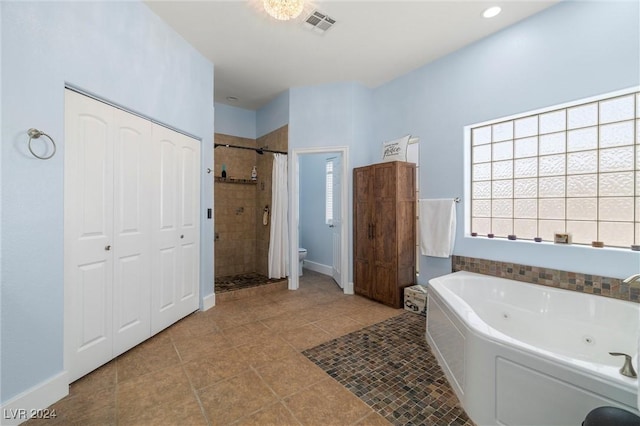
{"x":318,"y":267}
{"x":208,"y":302}
{"x":348,"y":289}
{"x":27,"y":404}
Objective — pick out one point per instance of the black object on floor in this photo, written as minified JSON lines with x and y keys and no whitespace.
{"x":611,"y":416}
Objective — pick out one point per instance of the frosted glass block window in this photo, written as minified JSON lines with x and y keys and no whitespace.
{"x":553,"y":121}
{"x":525,"y":188}
{"x":526,"y":127}
{"x":617,"y":109}
{"x":572,"y":169}
{"x":552,"y":165}
{"x":582,"y":139}
{"x":502,"y":151}
{"x":502,"y":169}
{"x":482,"y":135}
{"x":553,"y":143}
{"x":482,"y":153}
{"x":616,"y":134}
{"x":582,"y":116}
{"x":482,"y":171}
{"x":526,"y":228}
{"x":582,"y":162}
{"x":528,"y":147}
{"x":550,"y":187}
{"x":526,"y":167}
{"x":502,"y":131}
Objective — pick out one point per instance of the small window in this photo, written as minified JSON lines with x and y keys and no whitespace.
{"x":329,"y":192}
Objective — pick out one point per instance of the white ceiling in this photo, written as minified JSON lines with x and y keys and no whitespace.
{"x":256,"y":57}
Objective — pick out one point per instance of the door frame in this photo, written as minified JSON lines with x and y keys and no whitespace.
{"x":294,"y":213}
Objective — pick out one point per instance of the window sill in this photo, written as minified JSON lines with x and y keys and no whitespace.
{"x":503,"y":240}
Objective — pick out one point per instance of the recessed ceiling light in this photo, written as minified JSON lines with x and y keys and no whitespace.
{"x":491,"y":12}
{"x":232,"y":99}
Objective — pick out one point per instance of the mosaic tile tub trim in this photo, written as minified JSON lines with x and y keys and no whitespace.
{"x":575,"y":281}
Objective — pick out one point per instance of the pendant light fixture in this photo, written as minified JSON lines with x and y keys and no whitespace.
{"x":284,"y":10}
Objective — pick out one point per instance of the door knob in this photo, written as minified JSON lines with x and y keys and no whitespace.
{"x":107,"y":247}
{"x":181,"y":236}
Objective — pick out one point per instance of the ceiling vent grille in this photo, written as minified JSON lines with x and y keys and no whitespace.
{"x":319,"y":22}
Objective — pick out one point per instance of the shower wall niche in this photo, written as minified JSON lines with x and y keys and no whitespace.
{"x":242,"y":240}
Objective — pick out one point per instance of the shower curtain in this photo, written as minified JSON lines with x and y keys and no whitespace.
{"x":279,"y":232}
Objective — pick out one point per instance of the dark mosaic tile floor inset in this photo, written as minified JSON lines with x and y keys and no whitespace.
{"x":237,"y":282}
{"x":390,"y":367}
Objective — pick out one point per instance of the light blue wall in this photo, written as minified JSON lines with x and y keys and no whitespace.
{"x":273,"y":115}
{"x":123,"y":53}
{"x":234,"y":121}
{"x":570,"y":51}
{"x":315,"y":235}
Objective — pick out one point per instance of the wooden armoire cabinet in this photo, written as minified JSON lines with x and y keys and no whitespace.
{"x":384,"y":230}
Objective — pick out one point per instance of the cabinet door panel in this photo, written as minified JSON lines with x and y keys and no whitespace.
{"x":362,"y":230}
{"x":362,"y":282}
{"x":386,"y":285}
{"x":385,"y":238}
{"x":384,"y":182}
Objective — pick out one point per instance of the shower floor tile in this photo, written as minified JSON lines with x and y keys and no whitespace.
{"x":242,"y":281}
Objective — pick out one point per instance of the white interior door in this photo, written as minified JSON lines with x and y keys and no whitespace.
{"x":175,"y":227}
{"x":88,"y":234}
{"x":337,"y":220}
{"x":132,"y":232}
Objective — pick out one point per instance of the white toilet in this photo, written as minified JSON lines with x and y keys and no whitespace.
{"x":302,"y":254}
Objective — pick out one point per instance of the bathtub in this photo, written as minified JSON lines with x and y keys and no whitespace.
{"x":526,"y":354}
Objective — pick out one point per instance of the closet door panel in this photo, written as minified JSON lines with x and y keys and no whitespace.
{"x":88,"y":234}
{"x":166,"y":262}
{"x":189,"y":209}
{"x":176,"y":227}
{"x":189,"y":272}
{"x":132,"y":232}
{"x":168,"y":187}
{"x":165,"y":289}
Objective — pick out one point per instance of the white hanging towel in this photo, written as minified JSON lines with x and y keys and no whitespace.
{"x":437,"y":227}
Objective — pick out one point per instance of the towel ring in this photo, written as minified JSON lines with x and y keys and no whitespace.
{"x":35,"y":134}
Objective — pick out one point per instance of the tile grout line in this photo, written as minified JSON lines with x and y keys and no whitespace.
{"x":279,"y":400}
{"x":196,"y":395}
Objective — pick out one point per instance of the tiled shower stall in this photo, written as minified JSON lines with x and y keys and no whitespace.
{"x":241,"y":237}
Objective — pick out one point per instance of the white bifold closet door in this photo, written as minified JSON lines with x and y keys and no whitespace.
{"x":176,"y":230}
{"x":114,"y":190}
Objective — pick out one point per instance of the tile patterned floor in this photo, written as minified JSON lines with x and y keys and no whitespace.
{"x":389,"y":366}
{"x":242,"y":281}
{"x":239,"y":363}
